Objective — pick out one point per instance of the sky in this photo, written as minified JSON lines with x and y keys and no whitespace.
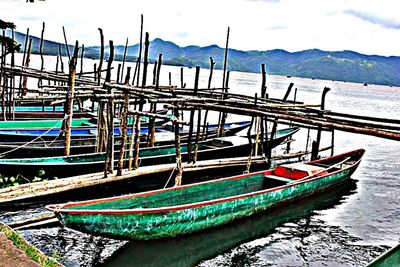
{"x":365,"y":26}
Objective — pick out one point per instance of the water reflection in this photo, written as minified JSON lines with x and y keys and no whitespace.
{"x":189,"y":250}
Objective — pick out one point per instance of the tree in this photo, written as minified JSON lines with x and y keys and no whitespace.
{"x":9,"y":44}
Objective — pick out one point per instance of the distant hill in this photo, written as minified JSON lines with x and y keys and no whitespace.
{"x":340,"y":65}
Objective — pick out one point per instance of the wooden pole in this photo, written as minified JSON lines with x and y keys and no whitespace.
{"x":178,"y":177}
{"x":124,"y":134}
{"x":109,"y":160}
{"x":146,"y":59}
{"x":223,"y":117}
{"x":212,"y":63}
{"x":128,"y":75}
{"x":118,"y":73}
{"x":124,"y":59}
{"x":316,"y":144}
{"x":66,"y":44}
{"x":61,"y":61}
{"x":140,"y":50}
{"x":137,"y":142}
{"x":224,"y":90}
{"x":189,"y":145}
{"x":23,"y":61}
{"x":288,"y":91}
{"x":101,"y":56}
{"x":332,"y":142}
{"x":225,"y":58}
{"x":82,"y":55}
{"x":183,"y":85}
{"x":70,"y":99}
{"x":154,"y":72}
{"x":154,"y":108}
{"x":28,"y":60}
{"x":291,"y":137}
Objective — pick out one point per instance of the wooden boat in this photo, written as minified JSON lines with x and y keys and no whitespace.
{"x":388,"y":259}
{"x":82,"y":123}
{"x":61,"y":166}
{"x":46,"y":115}
{"x":191,"y":249}
{"x":88,"y":145}
{"x":181,"y":210}
{"x":27,"y":135}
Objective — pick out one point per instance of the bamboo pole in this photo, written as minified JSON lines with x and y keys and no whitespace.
{"x":118,"y":73}
{"x":189,"y":145}
{"x":70,"y":102}
{"x":61,"y":61}
{"x":109,"y":162}
{"x":101,"y":56}
{"x":66,"y":44}
{"x":154,"y":108}
{"x":224,"y":114}
{"x":183,"y":85}
{"x":140,"y":50}
{"x":154,"y":72}
{"x":3,"y":77}
{"x":178,"y":177}
{"x":137,"y":142}
{"x":316,"y":144}
{"x":146,"y":60}
{"x":212,"y":63}
{"x":124,"y":134}
{"x":28,"y":60}
{"x":124,"y":59}
{"x":20,"y":93}
{"x":82,"y":55}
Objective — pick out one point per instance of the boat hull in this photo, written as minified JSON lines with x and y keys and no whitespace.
{"x":171,"y":221}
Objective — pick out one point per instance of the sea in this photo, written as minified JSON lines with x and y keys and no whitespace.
{"x":348,"y":226}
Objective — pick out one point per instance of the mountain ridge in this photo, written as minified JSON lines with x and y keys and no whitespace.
{"x":343,"y":65}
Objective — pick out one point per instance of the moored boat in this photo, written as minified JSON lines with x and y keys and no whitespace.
{"x":388,"y":259}
{"x":9,"y":139}
{"x":84,"y":146}
{"x":181,"y":210}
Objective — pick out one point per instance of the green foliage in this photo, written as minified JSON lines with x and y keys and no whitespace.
{"x":29,"y":249}
{"x":19,"y":179}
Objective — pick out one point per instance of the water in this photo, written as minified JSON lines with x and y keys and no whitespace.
{"x":347,"y":227}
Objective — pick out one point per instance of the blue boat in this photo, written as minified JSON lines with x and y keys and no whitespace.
{"x":26,"y":135}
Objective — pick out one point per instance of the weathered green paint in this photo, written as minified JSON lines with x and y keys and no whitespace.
{"x":46,"y":124}
{"x":389,"y":259}
{"x":42,"y":124}
{"x":93,"y":157}
{"x":163,"y":213}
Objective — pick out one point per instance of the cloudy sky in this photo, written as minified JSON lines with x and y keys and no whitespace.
{"x":366,"y":26}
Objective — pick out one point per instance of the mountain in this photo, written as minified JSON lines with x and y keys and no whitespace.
{"x":338,"y":65}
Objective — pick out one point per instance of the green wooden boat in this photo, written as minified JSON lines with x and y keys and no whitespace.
{"x":181,"y":210}
{"x":390,"y":258}
{"x":54,"y":123}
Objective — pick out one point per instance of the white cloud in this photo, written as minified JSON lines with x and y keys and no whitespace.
{"x":255,"y":24}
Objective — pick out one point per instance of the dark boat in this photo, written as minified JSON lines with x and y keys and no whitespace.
{"x":88,"y":145}
{"x":187,"y":209}
{"x":64,"y":166}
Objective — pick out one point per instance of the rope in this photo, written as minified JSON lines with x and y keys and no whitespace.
{"x":169,"y":179}
{"x":35,"y":139}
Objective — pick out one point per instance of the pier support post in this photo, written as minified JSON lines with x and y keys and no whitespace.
{"x":316,"y":144}
{"x":124,"y":134}
{"x":70,"y":99}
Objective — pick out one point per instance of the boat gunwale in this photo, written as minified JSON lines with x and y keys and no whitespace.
{"x":62,"y":208}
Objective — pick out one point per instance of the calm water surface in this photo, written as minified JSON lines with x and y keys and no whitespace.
{"x":347,"y":227}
